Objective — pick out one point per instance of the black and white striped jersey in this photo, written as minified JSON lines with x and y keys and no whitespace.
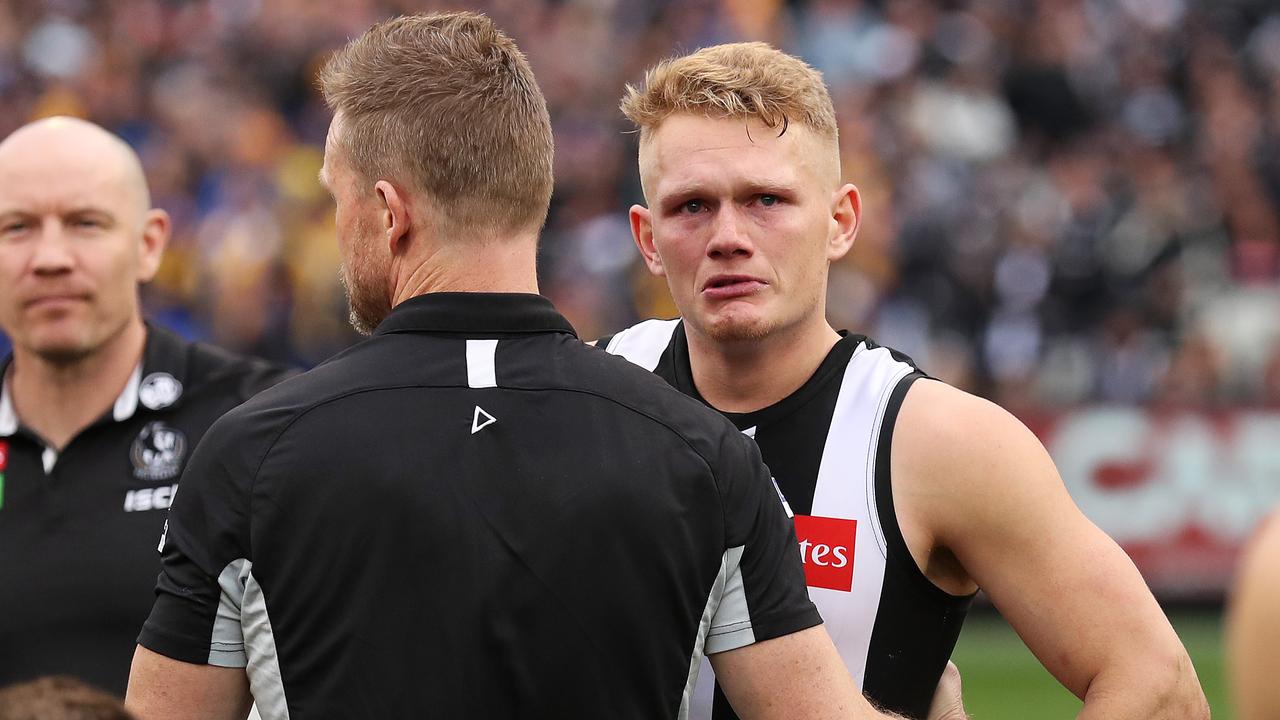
{"x":827,"y":445}
{"x":473,"y":514}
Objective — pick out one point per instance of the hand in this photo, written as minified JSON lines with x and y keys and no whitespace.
{"x":947,"y":703}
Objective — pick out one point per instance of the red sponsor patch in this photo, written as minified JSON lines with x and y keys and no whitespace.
{"x":4,"y":454}
{"x":826,"y":547}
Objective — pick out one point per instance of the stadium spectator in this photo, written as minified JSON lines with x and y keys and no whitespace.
{"x":929,"y":492}
{"x":1029,"y":164}
{"x":59,"y":698}
{"x":98,"y":410}
{"x":470,"y":514}
{"x":1253,"y":627}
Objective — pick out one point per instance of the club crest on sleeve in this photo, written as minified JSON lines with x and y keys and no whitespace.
{"x":159,"y":390}
{"x":157,"y":452}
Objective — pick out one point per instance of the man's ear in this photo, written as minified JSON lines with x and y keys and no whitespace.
{"x":642,"y":233}
{"x":394,"y":215}
{"x":846,"y":218}
{"x":151,"y":245}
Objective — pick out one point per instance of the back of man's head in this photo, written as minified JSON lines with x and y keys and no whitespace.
{"x":446,"y":104}
{"x":59,"y":698}
{"x":738,"y":80}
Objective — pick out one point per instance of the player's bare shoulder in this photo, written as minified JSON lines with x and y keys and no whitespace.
{"x":961,"y":465}
{"x":944,"y":431}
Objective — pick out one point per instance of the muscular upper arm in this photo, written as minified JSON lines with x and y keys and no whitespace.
{"x":161,"y":688}
{"x":793,"y":676}
{"x":980,"y":486}
{"x":1253,"y":627}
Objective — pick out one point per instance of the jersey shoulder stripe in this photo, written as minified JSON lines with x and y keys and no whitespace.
{"x":643,"y":343}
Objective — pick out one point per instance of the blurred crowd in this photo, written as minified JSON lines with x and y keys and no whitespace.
{"x":1066,"y":201}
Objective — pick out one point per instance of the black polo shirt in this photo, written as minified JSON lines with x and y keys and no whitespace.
{"x":473,"y":514}
{"x":78,"y":529}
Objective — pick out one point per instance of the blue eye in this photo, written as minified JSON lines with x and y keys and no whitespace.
{"x":692,"y":206}
{"x":769,"y":200}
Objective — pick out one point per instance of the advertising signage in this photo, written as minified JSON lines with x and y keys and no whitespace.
{"x":1180,"y":491}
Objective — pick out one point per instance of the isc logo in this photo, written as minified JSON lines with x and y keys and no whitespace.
{"x":826,"y":547}
{"x":157,"y":498}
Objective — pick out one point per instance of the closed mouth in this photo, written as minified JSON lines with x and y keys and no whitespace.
{"x":55,"y":299}
{"x":722,"y":281}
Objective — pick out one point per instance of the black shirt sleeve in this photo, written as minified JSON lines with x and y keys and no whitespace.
{"x":764,"y":594}
{"x":205,"y":556}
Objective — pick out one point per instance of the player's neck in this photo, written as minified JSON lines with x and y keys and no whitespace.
{"x":59,"y":399}
{"x":750,"y":375}
{"x":502,"y":266}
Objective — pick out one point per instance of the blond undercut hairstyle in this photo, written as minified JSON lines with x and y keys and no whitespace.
{"x":448,"y":103}
{"x":738,"y":80}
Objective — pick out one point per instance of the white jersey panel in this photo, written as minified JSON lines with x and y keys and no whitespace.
{"x":643,"y":343}
{"x":846,"y":490}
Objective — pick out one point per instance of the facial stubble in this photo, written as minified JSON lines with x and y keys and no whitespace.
{"x":364,"y":279}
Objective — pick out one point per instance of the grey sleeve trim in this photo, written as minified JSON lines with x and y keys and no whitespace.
{"x":226,"y":644}
{"x":265,"y":679}
{"x":731,"y":624}
{"x":728,"y":562}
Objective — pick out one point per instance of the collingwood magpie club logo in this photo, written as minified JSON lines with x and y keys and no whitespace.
{"x":159,"y":390}
{"x":157,"y":452}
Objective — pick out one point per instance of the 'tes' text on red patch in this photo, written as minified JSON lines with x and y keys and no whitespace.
{"x":826,"y":547}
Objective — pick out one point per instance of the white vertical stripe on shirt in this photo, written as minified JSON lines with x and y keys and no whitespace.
{"x":480,"y":370}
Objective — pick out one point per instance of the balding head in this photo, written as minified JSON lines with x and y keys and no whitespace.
{"x":77,"y":235}
{"x":66,"y":145}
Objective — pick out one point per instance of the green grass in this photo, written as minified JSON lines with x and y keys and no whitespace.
{"x":1002,"y":680}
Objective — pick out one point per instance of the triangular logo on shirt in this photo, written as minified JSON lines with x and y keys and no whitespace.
{"x":481,"y":419}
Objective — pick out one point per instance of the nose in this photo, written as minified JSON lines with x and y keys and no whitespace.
{"x":53,"y":254}
{"x":728,"y":237}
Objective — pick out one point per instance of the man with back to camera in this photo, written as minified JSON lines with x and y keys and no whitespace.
{"x":909,"y":495}
{"x":471,"y":513}
{"x":98,"y":409}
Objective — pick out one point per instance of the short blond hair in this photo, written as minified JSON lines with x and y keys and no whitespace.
{"x":449,"y":101}
{"x":738,"y":80}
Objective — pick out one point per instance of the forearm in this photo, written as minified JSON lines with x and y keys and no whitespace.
{"x":164,"y":689}
{"x":1170,"y":691}
{"x":794,"y":676}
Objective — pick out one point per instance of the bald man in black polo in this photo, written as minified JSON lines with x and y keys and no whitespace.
{"x":99,"y":410}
